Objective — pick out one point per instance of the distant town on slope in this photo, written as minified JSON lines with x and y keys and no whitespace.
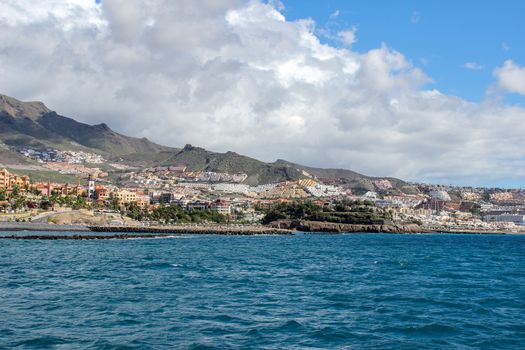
{"x":49,"y":160}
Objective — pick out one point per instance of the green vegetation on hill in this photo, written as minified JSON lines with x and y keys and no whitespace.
{"x":344,"y":212}
{"x":146,"y":160}
{"x":46,"y":175}
{"x":199,"y":159}
{"x":11,"y":157}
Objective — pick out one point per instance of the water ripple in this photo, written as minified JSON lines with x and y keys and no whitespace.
{"x":298,"y":292}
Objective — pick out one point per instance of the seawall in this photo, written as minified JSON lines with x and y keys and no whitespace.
{"x":245,"y":230}
{"x":318,"y":226}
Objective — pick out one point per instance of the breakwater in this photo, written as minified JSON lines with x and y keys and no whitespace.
{"x":40,"y":226}
{"x":83,"y":237}
{"x":70,"y":232}
{"x":319,"y":226}
{"x":244,"y":230}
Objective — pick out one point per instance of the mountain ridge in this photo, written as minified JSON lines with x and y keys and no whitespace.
{"x":32,"y":124}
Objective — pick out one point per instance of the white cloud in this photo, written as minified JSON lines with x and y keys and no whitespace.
{"x":335,"y":14}
{"x":63,"y":14}
{"x":510,"y":77}
{"x":237,"y":75}
{"x":473,"y":66}
{"x":348,"y":37}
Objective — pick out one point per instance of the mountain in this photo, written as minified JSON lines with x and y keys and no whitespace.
{"x":32,"y":124}
{"x":199,"y":159}
{"x":358,"y":182}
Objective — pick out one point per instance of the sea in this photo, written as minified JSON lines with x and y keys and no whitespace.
{"x":305,"y":291}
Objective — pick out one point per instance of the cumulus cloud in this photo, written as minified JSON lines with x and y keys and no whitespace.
{"x":237,"y":75}
{"x":348,"y":37}
{"x":510,"y":77}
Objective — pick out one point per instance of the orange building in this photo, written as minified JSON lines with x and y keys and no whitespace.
{"x":143,"y":201}
{"x":8,"y":180}
{"x":48,"y":188}
{"x":101,"y":194}
{"x":124,"y":196}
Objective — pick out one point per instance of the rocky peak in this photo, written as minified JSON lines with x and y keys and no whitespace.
{"x":16,"y":108}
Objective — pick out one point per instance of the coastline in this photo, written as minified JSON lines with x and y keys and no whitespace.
{"x":209,"y":229}
{"x":40,"y":226}
{"x":284,"y":227}
{"x":329,"y":227}
{"x":121,"y":232}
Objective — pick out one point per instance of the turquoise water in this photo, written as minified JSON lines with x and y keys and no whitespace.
{"x":300,"y":292}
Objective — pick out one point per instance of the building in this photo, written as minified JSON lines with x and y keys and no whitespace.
{"x":4,"y":178}
{"x":198,"y":205}
{"x":143,"y":201}
{"x":8,"y":180}
{"x":91,"y":187}
{"x":516,"y":219}
{"x":166,"y":197}
{"x":101,"y":194}
{"x":124,"y":196}
{"x":177,"y":169}
{"x":222,"y":206}
{"x":48,"y":189}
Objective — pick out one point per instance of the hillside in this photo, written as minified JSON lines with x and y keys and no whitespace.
{"x":32,"y":124}
{"x":199,"y":159}
{"x":358,"y":182}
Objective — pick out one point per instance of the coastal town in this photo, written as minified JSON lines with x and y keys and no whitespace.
{"x":140,"y":195}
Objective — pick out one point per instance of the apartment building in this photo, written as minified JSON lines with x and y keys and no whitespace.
{"x":8,"y":180}
{"x":124,"y":196}
{"x":222,"y":206}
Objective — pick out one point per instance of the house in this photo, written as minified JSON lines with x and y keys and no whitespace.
{"x":198,"y":205}
{"x":101,"y":194}
{"x":222,"y":206}
{"x":143,"y":201}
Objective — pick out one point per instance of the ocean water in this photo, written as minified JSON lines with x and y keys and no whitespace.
{"x":369,"y":291}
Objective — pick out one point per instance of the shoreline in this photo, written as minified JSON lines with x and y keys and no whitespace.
{"x":140,"y":231}
{"x":37,"y":226}
{"x":335,"y":228}
{"x":80,"y":232}
{"x":229,"y":230}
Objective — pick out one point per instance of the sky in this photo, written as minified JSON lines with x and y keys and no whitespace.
{"x":457,"y":43}
{"x":429,"y":91}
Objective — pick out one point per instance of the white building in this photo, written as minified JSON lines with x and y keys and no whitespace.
{"x":514,"y":218}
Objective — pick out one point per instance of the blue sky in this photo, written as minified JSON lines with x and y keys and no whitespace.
{"x":437,"y":36}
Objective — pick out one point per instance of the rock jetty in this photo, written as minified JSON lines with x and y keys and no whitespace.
{"x":319,"y":226}
{"x":244,"y":230}
{"x":84,"y":237}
